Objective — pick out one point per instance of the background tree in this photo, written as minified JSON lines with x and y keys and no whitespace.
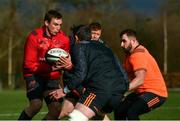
{"x":20,"y":17}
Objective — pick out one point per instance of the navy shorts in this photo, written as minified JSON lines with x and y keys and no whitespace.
{"x":36,"y":86}
{"x":100,"y":102}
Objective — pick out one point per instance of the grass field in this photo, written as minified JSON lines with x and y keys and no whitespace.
{"x":12,"y":103}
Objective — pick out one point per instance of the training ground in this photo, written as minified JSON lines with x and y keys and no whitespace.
{"x":12,"y":103}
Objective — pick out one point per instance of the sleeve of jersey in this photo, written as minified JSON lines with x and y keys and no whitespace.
{"x":67,"y":47}
{"x":66,"y":42}
{"x":75,"y":77}
{"x":31,"y":63}
{"x":138,"y":61}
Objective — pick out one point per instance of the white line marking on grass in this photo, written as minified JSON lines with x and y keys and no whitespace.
{"x":42,"y":113}
{"x":16,"y":114}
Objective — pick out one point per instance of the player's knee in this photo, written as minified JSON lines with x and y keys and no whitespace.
{"x":67,"y":108}
{"x":49,"y":100}
{"x":54,"y":110}
{"x":64,"y":114}
{"x":76,"y":115}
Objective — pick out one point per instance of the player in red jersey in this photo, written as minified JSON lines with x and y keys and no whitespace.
{"x":42,"y":77}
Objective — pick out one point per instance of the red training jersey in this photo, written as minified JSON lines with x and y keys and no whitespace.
{"x":35,"y":48}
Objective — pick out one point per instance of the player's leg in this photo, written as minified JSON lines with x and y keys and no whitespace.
{"x":89,"y":105}
{"x":54,"y":109}
{"x":67,"y":107}
{"x":136,"y":108}
{"x":34,"y":94}
{"x":30,"y":111}
{"x":85,"y":108}
{"x":112,"y":104}
{"x":120,"y":113}
{"x":54,"y":106}
{"x":146,"y":102}
{"x":81,"y":113}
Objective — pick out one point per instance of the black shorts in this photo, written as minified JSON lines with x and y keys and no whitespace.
{"x":152,"y":100}
{"x":100,"y":102}
{"x":36,"y":86}
{"x":137,"y":104}
{"x":71,"y":96}
{"x":141,"y":103}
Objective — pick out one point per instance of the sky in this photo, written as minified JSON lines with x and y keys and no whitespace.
{"x":149,"y":7}
{"x":144,"y":6}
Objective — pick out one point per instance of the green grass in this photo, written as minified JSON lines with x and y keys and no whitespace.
{"x":13,"y":102}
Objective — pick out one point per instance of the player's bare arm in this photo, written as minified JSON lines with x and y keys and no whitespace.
{"x":138,"y":80}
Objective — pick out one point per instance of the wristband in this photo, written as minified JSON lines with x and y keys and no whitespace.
{"x":66,"y":90}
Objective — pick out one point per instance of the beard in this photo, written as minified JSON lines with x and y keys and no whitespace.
{"x":128,"y":49}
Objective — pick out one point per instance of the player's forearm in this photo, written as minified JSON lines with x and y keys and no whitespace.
{"x":135,"y":83}
{"x":138,"y":80}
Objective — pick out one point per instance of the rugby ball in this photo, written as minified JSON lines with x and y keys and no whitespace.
{"x":53,"y":54}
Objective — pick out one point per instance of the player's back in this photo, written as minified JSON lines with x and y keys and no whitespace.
{"x":104,"y":73}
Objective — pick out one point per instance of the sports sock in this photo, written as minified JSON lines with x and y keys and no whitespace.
{"x":76,"y":115}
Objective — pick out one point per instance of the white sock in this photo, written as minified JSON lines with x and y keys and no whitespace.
{"x":76,"y":115}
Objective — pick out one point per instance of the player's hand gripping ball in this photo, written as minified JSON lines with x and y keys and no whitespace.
{"x":53,"y":54}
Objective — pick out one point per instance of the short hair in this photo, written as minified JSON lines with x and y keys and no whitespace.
{"x":128,"y":32}
{"x":52,"y":14}
{"x":95,"y":26}
{"x":74,"y":29}
{"x":84,"y":33}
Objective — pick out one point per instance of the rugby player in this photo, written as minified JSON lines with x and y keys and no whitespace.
{"x":97,"y":70}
